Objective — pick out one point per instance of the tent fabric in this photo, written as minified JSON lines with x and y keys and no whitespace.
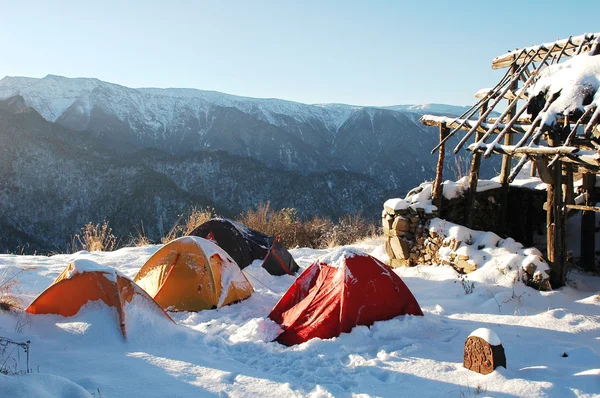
{"x":193,"y":274}
{"x":343,"y":290}
{"x":83,"y":281}
{"x":279,"y":261}
{"x":245,"y":245}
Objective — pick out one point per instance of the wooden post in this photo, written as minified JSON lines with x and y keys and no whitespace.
{"x":554,"y":220}
{"x":568,"y":186}
{"x":507,"y":161}
{"x":474,"y":175}
{"x":508,"y":138}
{"x":436,"y":194}
{"x":588,"y":225}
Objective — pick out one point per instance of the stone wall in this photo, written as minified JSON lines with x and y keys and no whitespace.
{"x":415,"y":234}
{"x":410,"y":242}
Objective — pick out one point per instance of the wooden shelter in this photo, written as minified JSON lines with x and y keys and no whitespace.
{"x":549,"y":106}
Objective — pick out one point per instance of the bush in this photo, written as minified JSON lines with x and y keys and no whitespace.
{"x":317,"y":232}
{"x":94,"y":237}
{"x":8,"y":285}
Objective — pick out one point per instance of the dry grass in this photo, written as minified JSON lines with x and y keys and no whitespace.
{"x":186,"y":224}
{"x":94,"y":238}
{"x":317,"y":232}
{"x":461,"y":167}
{"x":349,"y":229}
{"x":9,"y":283}
{"x":140,"y":239}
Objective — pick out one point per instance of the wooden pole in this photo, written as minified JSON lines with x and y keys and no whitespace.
{"x":507,"y":162}
{"x":508,"y":138}
{"x":437,"y":184}
{"x":554,"y":220}
{"x":474,"y":175}
{"x":568,"y":185}
{"x":588,"y":225}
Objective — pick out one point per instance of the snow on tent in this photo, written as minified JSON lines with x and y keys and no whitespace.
{"x":193,"y":274}
{"x":244,"y":244}
{"x":279,"y":261}
{"x":343,"y":290}
{"x":84,"y":281}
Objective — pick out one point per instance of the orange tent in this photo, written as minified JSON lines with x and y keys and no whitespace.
{"x":193,"y":274}
{"x":84,"y":281}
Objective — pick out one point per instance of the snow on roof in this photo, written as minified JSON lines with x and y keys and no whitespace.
{"x":521,"y":55}
{"x":575,"y":81}
{"x":488,"y":335}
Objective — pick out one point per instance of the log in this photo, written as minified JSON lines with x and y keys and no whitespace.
{"x":482,"y":355}
{"x":584,"y":208}
{"x":525,"y":150}
{"x":430,"y":120}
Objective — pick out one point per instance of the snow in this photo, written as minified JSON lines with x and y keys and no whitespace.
{"x":208,"y":247}
{"x":488,"y":335}
{"x":490,"y":253}
{"x":396,"y":204}
{"x":576,"y":80}
{"x":40,"y":385}
{"x":524,"y":179}
{"x":337,"y":258}
{"x":159,"y":109}
{"x":82,"y":265}
{"x":230,"y":274}
{"x":229,"y":351}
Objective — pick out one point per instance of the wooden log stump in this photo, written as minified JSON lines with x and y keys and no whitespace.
{"x":483,"y":352}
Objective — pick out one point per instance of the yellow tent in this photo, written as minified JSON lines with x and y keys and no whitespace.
{"x":193,"y":274}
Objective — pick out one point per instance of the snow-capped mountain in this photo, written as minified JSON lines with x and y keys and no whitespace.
{"x":291,"y":135}
{"x":187,"y":147}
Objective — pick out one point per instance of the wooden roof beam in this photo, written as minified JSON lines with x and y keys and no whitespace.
{"x":564,"y":47}
{"x":466,"y":124}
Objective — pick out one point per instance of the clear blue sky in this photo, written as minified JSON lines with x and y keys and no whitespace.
{"x":367,"y":52}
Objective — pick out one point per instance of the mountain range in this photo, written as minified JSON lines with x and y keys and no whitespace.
{"x":75,"y":150}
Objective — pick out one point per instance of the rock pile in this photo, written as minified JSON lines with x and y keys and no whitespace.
{"x":415,"y":235}
{"x":410,"y":242}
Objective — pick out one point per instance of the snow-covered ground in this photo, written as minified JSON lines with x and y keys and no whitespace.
{"x":227,"y":352}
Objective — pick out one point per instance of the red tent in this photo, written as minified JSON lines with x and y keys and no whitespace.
{"x":341,"y":291}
